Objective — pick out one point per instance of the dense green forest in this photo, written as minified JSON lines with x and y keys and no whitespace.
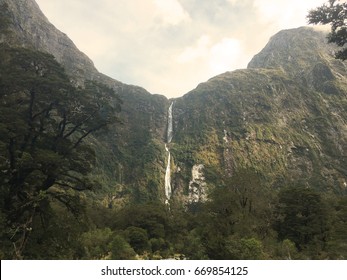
{"x":271,"y":147}
{"x":48,"y":212}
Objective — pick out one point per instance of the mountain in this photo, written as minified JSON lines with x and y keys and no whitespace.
{"x":30,"y":28}
{"x":123,"y":150}
{"x":284,"y":116}
{"x":225,"y":157}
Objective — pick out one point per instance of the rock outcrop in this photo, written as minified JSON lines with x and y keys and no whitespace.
{"x":284,"y":116}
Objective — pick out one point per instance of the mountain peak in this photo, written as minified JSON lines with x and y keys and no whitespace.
{"x":294,"y":49}
{"x":29,"y":27}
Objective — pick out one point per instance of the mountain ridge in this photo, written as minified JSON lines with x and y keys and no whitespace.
{"x":297,"y":60}
{"x":250,"y":164}
{"x":33,"y":30}
{"x":29,"y":27}
{"x":269,"y":111}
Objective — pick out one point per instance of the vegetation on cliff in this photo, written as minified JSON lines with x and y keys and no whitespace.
{"x":44,"y":124}
{"x":333,"y":13}
{"x":258,"y":155}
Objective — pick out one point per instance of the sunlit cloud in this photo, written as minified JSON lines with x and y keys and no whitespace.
{"x":283,"y":12}
{"x":225,"y":55}
{"x":171,"y":12}
{"x":169,"y":46}
{"x":199,"y":50}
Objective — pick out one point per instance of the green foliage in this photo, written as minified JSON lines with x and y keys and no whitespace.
{"x":302,"y":217}
{"x":138,"y":239}
{"x":105,"y":244}
{"x":337,"y":244}
{"x":44,"y":123}
{"x":54,"y":233}
{"x":245,"y":249}
{"x":158,"y":244}
{"x":192,"y":246}
{"x":96,"y":244}
{"x":287,"y":250}
{"x":150,"y":217}
{"x":335,"y":14}
{"x":121,"y":250}
{"x":254,"y":130}
{"x":241,"y":208}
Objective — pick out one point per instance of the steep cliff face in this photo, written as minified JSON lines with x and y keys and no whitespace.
{"x":130,"y":155}
{"x":285,"y":116}
{"x":304,"y":55}
{"x":30,"y":28}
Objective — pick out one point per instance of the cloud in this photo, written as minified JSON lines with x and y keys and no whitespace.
{"x":232,"y":2}
{"x":283,"y":12}
{"x":217,"y":56}
{"x":225,"y":55}
{"x":206,"y":57}
{"x":170,"y":12}
{"x":169,"y":46}
{"x":198,"y":50}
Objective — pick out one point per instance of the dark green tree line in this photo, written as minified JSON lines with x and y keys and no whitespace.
{"x":302,"y":217}
{"x":44,"y":125}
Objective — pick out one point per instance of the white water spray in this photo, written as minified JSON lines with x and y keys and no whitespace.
{"x":168,"y":166}
{"x":168,"y":178}
{"x":169,"y":125}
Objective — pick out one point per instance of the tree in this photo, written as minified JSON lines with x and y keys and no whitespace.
{"x":238,"y":208}
{"x":335,"y":13}
{"x":121,"y":250}
{"x":151,"y":217}
{"x":44,"y":125}
{"x":302,"y":217}
{"x":244,"y":249}
{"x":337,"y":245}
{"x":137,"y":238}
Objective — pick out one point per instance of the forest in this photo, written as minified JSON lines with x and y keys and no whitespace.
{"x":57,"y":183}
{"x":49,"y":200}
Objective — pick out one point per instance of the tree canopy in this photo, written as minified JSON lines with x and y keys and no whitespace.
{"x":334,"y":13}
{"x":44,"y":125}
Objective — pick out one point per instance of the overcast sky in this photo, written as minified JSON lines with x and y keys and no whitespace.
{"x":170,"y":46}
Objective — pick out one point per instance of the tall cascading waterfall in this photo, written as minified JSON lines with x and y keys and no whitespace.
{"x":168,"y":166}
{"x":168,"y":178}
{"x":169,"y":125}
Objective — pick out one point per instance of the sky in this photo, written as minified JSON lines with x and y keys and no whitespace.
{"x":170,"y":46}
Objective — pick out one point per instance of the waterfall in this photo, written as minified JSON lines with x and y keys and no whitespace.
{"x":168,"y":166}
{"x":168,"y":177}
{"x":169,"y":125}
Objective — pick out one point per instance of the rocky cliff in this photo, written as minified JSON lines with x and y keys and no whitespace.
{"x":30,"y":28}
{"x":122,"y":151}
{"x":284,"y":116}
